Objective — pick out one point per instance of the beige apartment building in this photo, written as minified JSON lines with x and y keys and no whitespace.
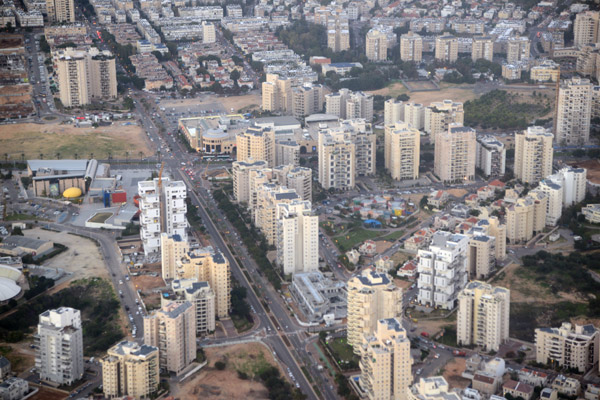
{"x":533,"y":154}
{"x":338,"y":36}
{"x":297,"y":178}
{"x":269,"y":196}
{"x":431,"y":388}
{"x":371,"y":296}
{"x":376,"y":45}
{"x":526,"y":217}
{"x":347,"y":104}
{"x":440,"y":114}
{"x":241,"y":177}
{"x":172,"y":329}
{"x":518,"y":49}
{"x":172,"y":249}
{"x":483,"y":47}
{"x":483,"y":316}
{"x":307,"y":99}
{"x":545,"y":71}
{"x":256,"y":144}
{"x":585,"y":29}
{"x":402,"y":151}
{"x":85,"y":75}
{"x":60,"y":10}
{"x":385,"y":364}
{"x":411,"y":47}
{"x":130,"y":369}
{"x":498,"y":231}
{"x":337,"y":160}
{"x":202,"y":298}
{"x":209,"y":34}
{"x":568,"y":346}
{"x":393,"y":111}
{"x":446,"y":48}
{"x":455,"y":151}
{"x":277,"y":93}
{"x":414,"y":115}
{"x":574,"y":112}
{"x":207,"y":265}
{"x":482,"y":256}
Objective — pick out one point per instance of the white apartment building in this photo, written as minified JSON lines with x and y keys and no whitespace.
{"x":491,"y":156}
{"x":59,"y":346}
{"x":568,"y":346}
{"x":483,"y":316}
{"x":241,"y":178}
{"x":455,"y":153}
{"x":414,"y":114}
{"x":150,"y":216}
{"x":393,"y":111}
{"x":573,"y":181}
{"x":371,"y":296}
{"x":385,"y":363}
{"x":554,"y":193}
{"x":297,"y":237}
{"x":376,"y":45}
{"x":287,"y":152}
{"x":172,"y":329}
{"x":432,"y":388}
{"x":347,"y":104}
{"x":175,"y":193}
{"x":402,"y":151}
{"x":202,"y":297}
{"x":574,"y":112}
{"x":585,"y":29}
{"x":443,"y":270}
{"x":209,"y":34}
{"x":533,"y":154}
{"x":268,"y":197}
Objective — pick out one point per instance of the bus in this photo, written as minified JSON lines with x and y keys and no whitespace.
{"x":208,"y":158}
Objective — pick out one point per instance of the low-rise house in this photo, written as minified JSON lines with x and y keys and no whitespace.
{"x":566,"y":386}
{"x":517,"y":389}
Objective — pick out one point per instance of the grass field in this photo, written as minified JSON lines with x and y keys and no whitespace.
{"x":342,"y":352}
{"x":348,"y":240}
{"x":393,"y":236}
{"x":48,"y":141}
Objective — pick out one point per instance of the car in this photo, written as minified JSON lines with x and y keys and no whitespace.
{"x":419,"y":371}
{"x":120,"y":282}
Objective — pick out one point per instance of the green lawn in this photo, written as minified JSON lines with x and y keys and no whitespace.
{"x":394,"y":235}
{"x":19,"y":217}
{"x":342,"y":353}
{"x":241,"y":324}
{"x":348,"y":240}
{"x":449,"y":338}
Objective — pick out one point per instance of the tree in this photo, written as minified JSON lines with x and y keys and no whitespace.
{"x":16,"y":231}
{"x":234,"y":76}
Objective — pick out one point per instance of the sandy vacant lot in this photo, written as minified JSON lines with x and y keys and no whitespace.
{"x":243,"y":103}
{"x":456,"y":93}
{"x":453,"y":371}
{"x":69,"y":141}
{"x":82,"y":257}
{"x":210,"y":383}
{"x":593,"y":169}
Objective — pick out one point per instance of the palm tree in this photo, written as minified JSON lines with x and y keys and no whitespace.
{"x":126,"y":156}
{"x":57,"y":155}
{"x":22,"y":157}
{"x":76,"y":156}
{"x":41,"y":156}
{"x":109,"y":155}
{"x":91,"y":156}
{"x":141,"y":153}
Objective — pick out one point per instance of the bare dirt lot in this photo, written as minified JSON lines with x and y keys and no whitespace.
{"x":46,"y":393}
{"x":71,"y":142}
{"x":20,"y":355}
{"x":243,"y":103}
{"x":453,"y":371}
{"x":211,"y":383}
{"x":453,"y":92}
{"x":82,"y":257}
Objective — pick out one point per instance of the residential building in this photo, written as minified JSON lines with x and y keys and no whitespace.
{"x":207,"y":265}
{"x":297,"y":178}
{"x":491,"y":156}
{"x":347,"y":104}
{"x":174,"y":199}
{"x":574,"y":112}
{"x":566,"y":386}
{"x":59,"y":346}
{"x":393,"y":111}
{"x":573,"y":181}
{"x":172,"y":249}
{"x":585,"y":29}
{"x":592,"y":392}
{"x":526,"y":217}
{"x":545,"y":71}
{"x":554,"y":193}
{"x":402,"y":151}
{"x":209,"y":34}
{"x":60,"y":11}
{"x":411,"y":47}
{"x":241,"y":177}
{"x":338,"y":36}
{"x":277,"y":93}
{"x":372,"y":296}
{"x":202,"y":298}
{"x":431,"y":388}
{"x":85,"y":75}
{"x":439,"y":115}
{"x":13,"y":388}
{"x":172,"y":329}
{"x":130,"y":369}
{"x":376,"y":45}
{"x":297,"y":237}
{"x":482,"y":255}
{"x":287,"y":152}
{"x":446,"y":48}
{"x":319,"y":296}
{"x":532,"y":377}
{"x":385,"y":363}
{"x":265,"y":216}
{"x":150,"y":215}
{"x":483,"y":316}
{"x":443,"y":270}
{"x":518,"y":49}
{"x":498,"y":231}
{"x":591,"y":212}
{"x":455,"y":153}
{"x":307,"y":99}
{"x":568,"y":346}
{"x":483,"y":48}
{"x":533,"y":154}
{"x":414,"y":115}
{"x":256,"y":144}
{"x":517,"y":389}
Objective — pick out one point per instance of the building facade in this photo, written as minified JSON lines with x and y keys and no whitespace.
{"x":533,"y":154}
{"x":256,"y":144}
{"x":376,"y":45}
{"x":446,"y":48}
{"x":568,"y":346}
{"x":574,"y":112}
{"x":402,"y":151}
{"x":297,"y":237}
{"x":491,"y":156}
{"x":455,"y":153}
{"x":411,"y":47}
